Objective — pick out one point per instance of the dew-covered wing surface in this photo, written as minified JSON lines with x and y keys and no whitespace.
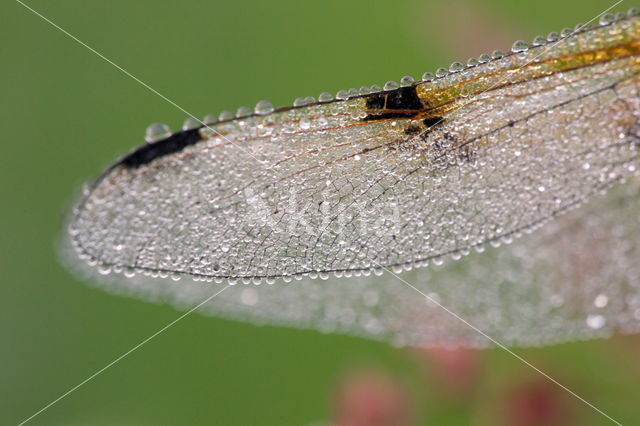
{"x":391,"y":178}
{"x":574,"y":278}
{"x":394,"y":179}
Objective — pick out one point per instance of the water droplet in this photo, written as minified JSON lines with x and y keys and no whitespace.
{"x":456,"y":67}
{"x":225,"y":115}
{"x":299,"y":102}
{"x":539,"y":41}
{"x":484,"y":58}
{"x":601,"y":301}
{"x":175,"y":276}
{"x":520,"y":46}
{"x":263,"y":107}
{"x":243,"y":111}
{"x":391,"y":85}
{"x":287,"y":279}
{"x":427,"y":76}
{"x":607,"y":19}
{"x":634,"y":11}
{"x":309,"y":100}
{"x":376,"y":88}
{"x":325,"y":97}
{"x":210,"y":119}
{"x":156,"y":132}
{"x":566,"y":32}
{"x":104,"y":269}
{"x":596,"y":321}
{"x":472,"y":62}
{"x":553,"y":36}
{"x":190,"y":123}
{"x":497,"y":54}
{"x":342,"y":94}
{"x":579,"y":27}
{"x":364,"y":90}
{"x":441,"y":72}
{"x":305,"y":123}
{"x":407,"y":80}
{"x":270,"y":281}
{"x":73,"y":230}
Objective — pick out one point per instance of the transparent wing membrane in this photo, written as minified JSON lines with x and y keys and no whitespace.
{"x":577,"y":277}
{"x":394,"y":179}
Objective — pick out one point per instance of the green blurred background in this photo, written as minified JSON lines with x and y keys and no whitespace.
{"x":66,"y":114}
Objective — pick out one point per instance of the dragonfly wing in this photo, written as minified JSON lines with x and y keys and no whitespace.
{"x":346,"y":186}
{"x":575,"y":277}
{"x":396,"y":179}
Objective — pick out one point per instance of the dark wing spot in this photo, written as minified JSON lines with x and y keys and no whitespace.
{"x":376,"y":101}
{"x":432,"y":121}
{"x":405,"y":98}
{"x":147,"y":153}
{"x":388,"y":115}
{"x":400,"y":103}
{"x":412,"y":129}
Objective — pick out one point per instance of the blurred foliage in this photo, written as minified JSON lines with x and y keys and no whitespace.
{"x":66,"y":113}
